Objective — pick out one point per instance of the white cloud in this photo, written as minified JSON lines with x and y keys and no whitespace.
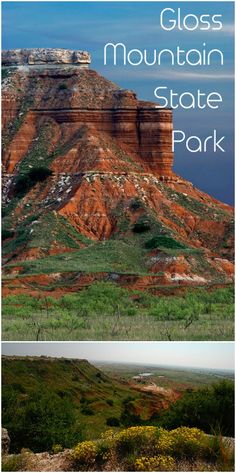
{"x":167,"y":74}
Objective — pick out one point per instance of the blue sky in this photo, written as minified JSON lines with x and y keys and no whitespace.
{"x":90,"y":25}
{"x":214,"y":355}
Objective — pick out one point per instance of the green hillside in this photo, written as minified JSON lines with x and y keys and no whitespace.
{"x":48,"y":401}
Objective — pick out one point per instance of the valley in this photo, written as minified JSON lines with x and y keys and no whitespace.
{"x":166,"y":376}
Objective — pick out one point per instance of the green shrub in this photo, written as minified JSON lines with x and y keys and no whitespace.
{"x":25,"y":182}
{"x":87,"y":411}
{"x":163,"y":241}
{"x":129,"y":417}
{"x":110,"y":402}
{"x":142,"y":225}
{"x":63,"y":86}
{"x":113,"y":422}
{"x":84,"y":454}
{"x":100,"y":298}
{"x":49,"y":419}
{"x":136,"y":204}
{"x":187,"y":443}
{"x":7,"y":233}
{"x":209,"y":409}
{"x":57,"y":448}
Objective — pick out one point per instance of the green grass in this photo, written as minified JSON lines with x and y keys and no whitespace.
{"x":194,"y":205}
{"x":105,"y":311}
{"x":40,"y":231}
{"x":72,"y":327}
{"x":102,"y":256}
{"x":38,"y":154}
{"x":164,"y":242}
{"x":25,"y":182}
{"x":52,"y":227}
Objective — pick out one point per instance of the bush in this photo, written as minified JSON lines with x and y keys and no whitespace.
{"x":163,"y":241}
{"x":113,"y":422}
{"x":128,"y":415}
{"x":49,"y":419}
{"x":110,"y":402}
{"x":63,"y":86}
{"x":187,"y":442}
{"x":136,"y":204}
{"x":87,"y":411}
{"x":25,"y":182}
{"x":84,"y":454}
{"x":135,"y":439}
{"x":210,"y":409}
{"x":100,"y":298}
{"x":39,"y":174}
{"x":142,"y":225}
{"x":57,"y":448}
{"x":7,"y":234}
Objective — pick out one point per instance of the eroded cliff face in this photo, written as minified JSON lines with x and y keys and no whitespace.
{"x":110,"y":181}
{"x":65,"y":102}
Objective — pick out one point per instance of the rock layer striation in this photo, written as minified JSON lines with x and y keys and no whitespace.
{"x":44,"y":56}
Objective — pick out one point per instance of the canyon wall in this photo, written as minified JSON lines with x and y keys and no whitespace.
{"x":148,"y":131}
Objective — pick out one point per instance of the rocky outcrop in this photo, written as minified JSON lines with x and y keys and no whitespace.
{"x":62,"y":461}
{"x":42,"y":56}
{"x":5,"y":442}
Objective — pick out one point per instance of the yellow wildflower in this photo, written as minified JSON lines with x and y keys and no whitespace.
{"x":85,"y":452}
{"x":157,"y":463}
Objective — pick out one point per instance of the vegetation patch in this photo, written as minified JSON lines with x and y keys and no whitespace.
{"x":20,"y":237}
{"x":194,"y":205}
{"x":210,"y":409}
{"x":136,"y":204}
{"x":25,"y":182}
{"x":62,"y":396}
{"x":63,"y":86}
{"x":6,"y":72}
{"x":163,"y":241}
{"x":102,"y":256}
{"x":14,"y":126}
{"x":142,"y":225}
{"x":150,"y":449}
{"x":7,"y":233}
{"x":105,"y":310}
{"x":38,"y":155}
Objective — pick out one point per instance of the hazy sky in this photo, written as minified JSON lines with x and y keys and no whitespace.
{"x":90,"y":25}
{"x":192,"y":354}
